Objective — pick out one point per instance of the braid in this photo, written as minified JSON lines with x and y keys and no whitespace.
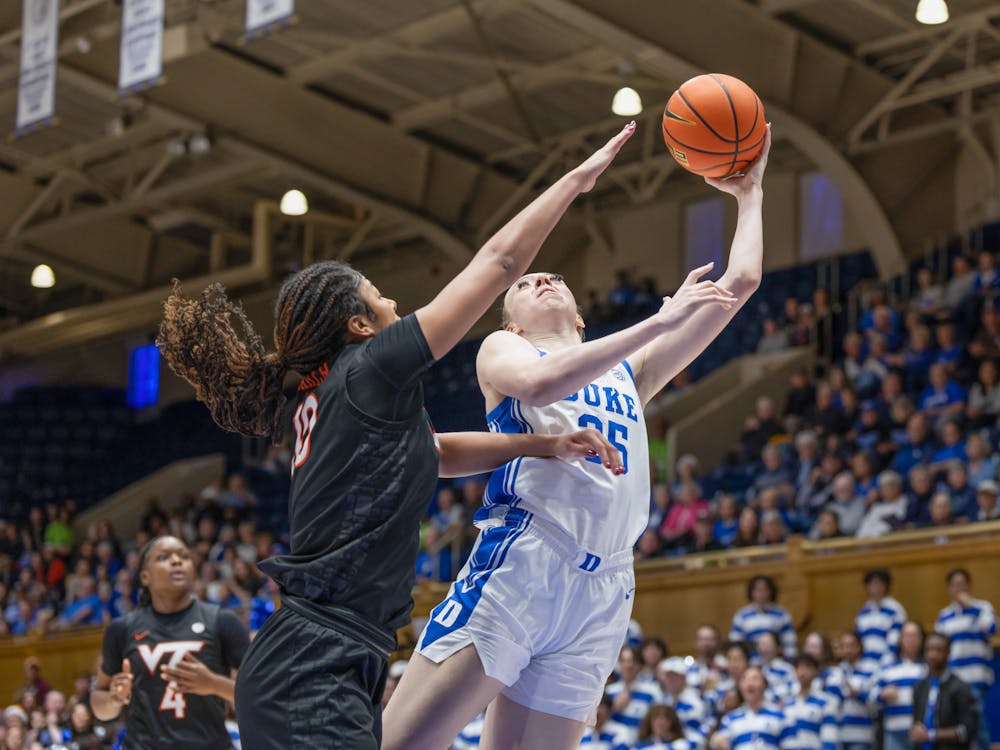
{"x":228,"y":366}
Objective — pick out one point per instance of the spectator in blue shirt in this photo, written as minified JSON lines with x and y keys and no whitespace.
{"x":957,"y":486}
{"x":87,"y":609}
{"x":622,"y":297}
{"x":987,"y":278}
{"x":727,"y":522}
{"x":949,"y":352}
{"x":982,"y":465}
{"x":951,"y":448}
{"x":774,"y":475}
{"x":921,"y":483}
{"x":916,"y":358}
{"x":943,"y":397}
{"x":917,"y":449}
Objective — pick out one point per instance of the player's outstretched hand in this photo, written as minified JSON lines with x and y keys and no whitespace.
{"x":191,"y":676}
{"x":591,"y":169}
{"x":752,"y":177}
{"x":121,"y":685}
{"x":692,"y":296}
{"x":588,"y":444}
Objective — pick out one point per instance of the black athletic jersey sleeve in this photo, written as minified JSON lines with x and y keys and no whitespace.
{"x":234,"y":639}
{"x":383,"y":379}
{"x":113,"y":647}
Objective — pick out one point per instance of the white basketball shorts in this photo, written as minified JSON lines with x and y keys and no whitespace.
{"x":547,"y":618}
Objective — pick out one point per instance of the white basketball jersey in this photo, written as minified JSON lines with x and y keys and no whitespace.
{"x":600,"y":511}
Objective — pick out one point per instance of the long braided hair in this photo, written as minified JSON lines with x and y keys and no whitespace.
{"x":210,"y":343}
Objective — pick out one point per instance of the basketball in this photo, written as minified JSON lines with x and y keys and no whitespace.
{"x":714,"y":125}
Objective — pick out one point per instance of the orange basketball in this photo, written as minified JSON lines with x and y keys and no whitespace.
{"x":714,"y":125}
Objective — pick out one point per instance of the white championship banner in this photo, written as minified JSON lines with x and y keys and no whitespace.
{"x":263,"y":14}
{"x":142,"y":44}
{"x":36,"y":86}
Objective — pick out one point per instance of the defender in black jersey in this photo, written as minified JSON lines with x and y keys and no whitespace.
{"x":171,"y":661}
{"x":365,"y":463}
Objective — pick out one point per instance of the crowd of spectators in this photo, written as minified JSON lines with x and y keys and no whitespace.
{"x":52,"y":580}
{"x":899,"y":431}
{"x":885,"y":684}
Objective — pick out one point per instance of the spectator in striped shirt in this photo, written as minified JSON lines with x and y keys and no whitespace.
{"x":737,"y":655}
{"x":754,"y":725}
{"x":690,"y":708}
{"x":880,"y":619}
{"x":780,"y":675}
{"x":850,"y":683}
{"x":598,"y":737}
{"x":653,"y":651}
{"x":763,"y":615}
{"x":707,"y":669}
{"x":893,"y":688}
{"x":970,"y":624}
{"x":811,"y":713}
{"x":660,"y":730}
{"x":631,"y":697}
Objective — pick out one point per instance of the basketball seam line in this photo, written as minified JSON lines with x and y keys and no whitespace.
{"x":736,"y":119}
{"x":710,"y":153}
{"x":703,"y":121}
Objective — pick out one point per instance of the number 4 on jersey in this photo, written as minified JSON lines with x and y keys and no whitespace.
{"x":304,"y":421}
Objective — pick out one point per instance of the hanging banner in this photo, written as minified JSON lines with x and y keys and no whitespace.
{"x":36,"y":86}
{"x":263,"y":14}
{"x":142,"y":44}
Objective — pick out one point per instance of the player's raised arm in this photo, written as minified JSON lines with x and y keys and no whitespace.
{"x":508,"y":253}
{"x":509,"y":365}
{"x":660,"y":360}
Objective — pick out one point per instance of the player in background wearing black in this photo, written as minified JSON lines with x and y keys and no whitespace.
{"x":365,"y":464}
{"x":172,"y":660}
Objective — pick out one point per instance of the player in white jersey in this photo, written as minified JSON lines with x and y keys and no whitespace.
{"x":539,"y":612}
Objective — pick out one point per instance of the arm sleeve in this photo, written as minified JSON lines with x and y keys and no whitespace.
{"x":113,"y":647}
{"x":234,"y":638}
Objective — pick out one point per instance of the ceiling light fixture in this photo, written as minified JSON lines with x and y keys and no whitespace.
{"x":932,"y":12}
{"x":294,"y":203}
{"x":627,"y":102}
{"x":43,"y":277}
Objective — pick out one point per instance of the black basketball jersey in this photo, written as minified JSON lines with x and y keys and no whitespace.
{"x":364,"y":470}
{"x":159,"y":717}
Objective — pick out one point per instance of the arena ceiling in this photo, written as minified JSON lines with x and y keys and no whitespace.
{"x":417,"y":126}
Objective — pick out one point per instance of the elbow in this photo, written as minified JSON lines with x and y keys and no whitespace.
{"x":744,"y":283}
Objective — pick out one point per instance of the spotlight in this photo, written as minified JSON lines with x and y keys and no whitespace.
{"x":932,"y":12}
{"x":294,"y":203}
{"x":43,"y":277}
{"x":627,"y":102}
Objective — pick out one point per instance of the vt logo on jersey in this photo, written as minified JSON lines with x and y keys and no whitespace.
{"x":173,"y":699}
